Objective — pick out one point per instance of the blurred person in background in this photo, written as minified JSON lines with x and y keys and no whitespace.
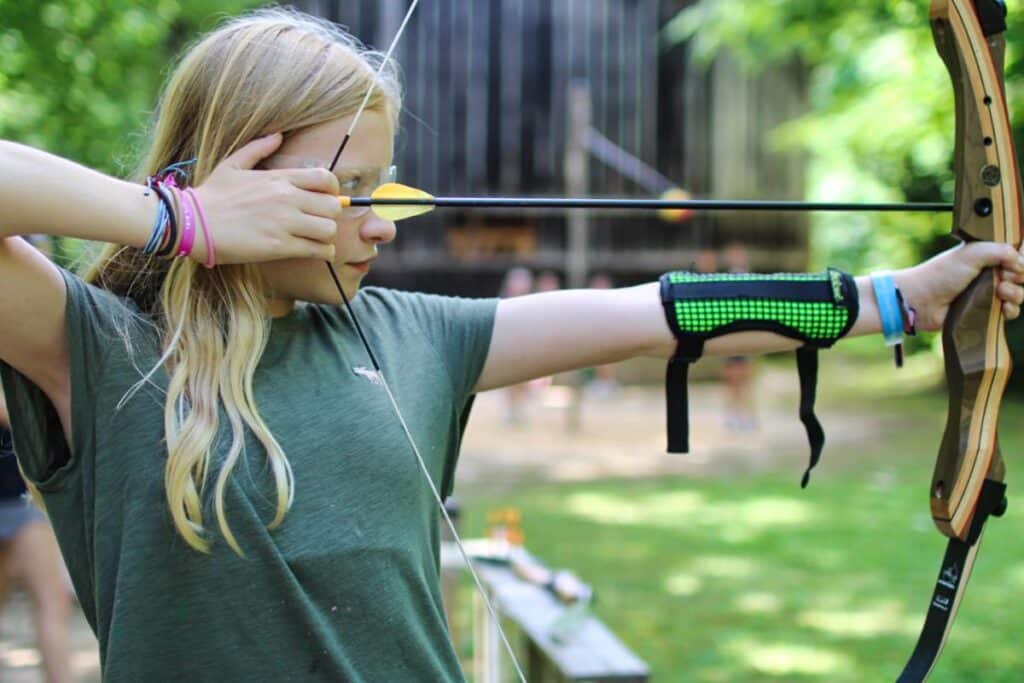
{"x":30,"y":559}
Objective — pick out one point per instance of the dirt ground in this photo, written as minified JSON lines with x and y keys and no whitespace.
{"x":618,"y":434}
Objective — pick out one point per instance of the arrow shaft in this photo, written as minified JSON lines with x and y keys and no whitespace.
{"x":652,"y":204}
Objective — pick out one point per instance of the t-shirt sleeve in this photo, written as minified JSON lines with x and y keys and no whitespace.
{"x":91,"y":318}
{"x":460,"y":331}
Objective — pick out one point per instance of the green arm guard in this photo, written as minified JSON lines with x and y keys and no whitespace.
{"x":815,"y":309}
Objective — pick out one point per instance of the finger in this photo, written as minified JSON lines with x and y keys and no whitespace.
{"x":300,"y":247}
{"x":1013,"y":276}
{"x":1011,"y":311}
{"x":315,"y":228}
{"x":252,"y":153}
{"x":318,"y":204}
{"x":312,"y":179}
{"x":1011,"y":293}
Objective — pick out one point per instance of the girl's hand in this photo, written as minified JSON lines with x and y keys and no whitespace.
{"x":256,"y":216}
{"x":932,"y":286}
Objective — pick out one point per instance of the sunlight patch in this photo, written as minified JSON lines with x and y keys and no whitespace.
{"x":683,"y":584}
{"x":883,"y":619}
{"x":758,"y":603}
{"x":725,"y":566}
{"x":783,"y":660}
{"x":1015,"y":575}
{"x":671,"y":510}
{"x":680,"y":509}
{"x":21,"y":658}
{"x":773,"y":512}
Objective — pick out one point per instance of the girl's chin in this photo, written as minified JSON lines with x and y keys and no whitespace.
{"x":321,"y":290}
{"x":330,"y":296}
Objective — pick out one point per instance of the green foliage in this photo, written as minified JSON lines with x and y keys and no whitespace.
{"x":881,"y":120}
{"x":80,"y":78}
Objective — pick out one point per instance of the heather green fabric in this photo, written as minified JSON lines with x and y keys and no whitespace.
{"x":347,"y":589}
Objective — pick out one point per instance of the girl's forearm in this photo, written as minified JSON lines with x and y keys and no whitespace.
{"x":42,"y":193}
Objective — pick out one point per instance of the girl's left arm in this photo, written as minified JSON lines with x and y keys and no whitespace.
{"x":543,"y":334}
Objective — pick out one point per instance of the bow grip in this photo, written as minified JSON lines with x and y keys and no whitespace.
{"x":978,"y":367}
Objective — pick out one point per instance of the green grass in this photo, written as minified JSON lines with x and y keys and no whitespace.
{"x":748,"y":578}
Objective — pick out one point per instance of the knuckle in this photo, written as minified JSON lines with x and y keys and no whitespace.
{"x":327,"y":178}
{"x":333,"y":210}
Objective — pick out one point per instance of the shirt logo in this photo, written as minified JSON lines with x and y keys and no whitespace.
{"x":368,"y":374}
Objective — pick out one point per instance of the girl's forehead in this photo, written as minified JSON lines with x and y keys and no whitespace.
{"x":371,"y":143}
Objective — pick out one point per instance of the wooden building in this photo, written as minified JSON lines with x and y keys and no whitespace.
{"x":488,"y":111}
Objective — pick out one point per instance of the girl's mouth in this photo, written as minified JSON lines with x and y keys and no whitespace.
{"x":361,"y":266}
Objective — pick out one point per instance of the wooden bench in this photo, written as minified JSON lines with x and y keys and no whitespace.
{"x":588,"y":653}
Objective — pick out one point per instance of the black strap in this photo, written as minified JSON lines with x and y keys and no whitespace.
{"x":677,"y":393}
{"x":956,"y":570}
{"x":807,"y":367}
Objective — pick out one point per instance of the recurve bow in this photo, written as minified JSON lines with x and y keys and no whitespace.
{"x":968,"y":484}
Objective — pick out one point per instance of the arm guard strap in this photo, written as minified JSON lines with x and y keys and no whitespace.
{"x":815,"y":309}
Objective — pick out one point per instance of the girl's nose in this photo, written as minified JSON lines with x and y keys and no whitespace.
{"x":376,"y":230}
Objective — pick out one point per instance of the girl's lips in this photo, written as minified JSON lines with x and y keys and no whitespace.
{"x":361,"y":266}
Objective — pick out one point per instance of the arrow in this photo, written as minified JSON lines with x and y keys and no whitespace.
{"x":395,"y":202}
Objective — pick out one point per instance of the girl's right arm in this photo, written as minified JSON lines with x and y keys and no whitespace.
{"x":253,"y":215}
{"x":42,"y":193}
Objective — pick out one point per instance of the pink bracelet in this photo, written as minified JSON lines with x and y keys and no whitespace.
{"x":210,"y":253}
{"x":188,"y":223}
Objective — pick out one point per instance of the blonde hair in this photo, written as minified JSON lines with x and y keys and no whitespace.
{"x":268,"y":71}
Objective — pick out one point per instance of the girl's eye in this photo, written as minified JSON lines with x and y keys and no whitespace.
{"x":353,"y":186}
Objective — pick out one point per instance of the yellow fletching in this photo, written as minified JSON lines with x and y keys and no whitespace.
{"x":392,"y":212}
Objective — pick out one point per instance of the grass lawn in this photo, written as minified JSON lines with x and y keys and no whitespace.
{"x":748,"y":578}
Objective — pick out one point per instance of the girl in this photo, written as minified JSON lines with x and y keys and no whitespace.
{"x":232,"y":490}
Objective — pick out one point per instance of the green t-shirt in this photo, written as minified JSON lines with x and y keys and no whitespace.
{"x":347,"y":589}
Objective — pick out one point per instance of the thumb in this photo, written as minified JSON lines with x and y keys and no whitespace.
{"x":247,"y":156}
{"x":991,"y":254}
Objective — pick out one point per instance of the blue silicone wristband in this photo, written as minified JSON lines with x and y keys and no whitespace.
{"x":888,"y":308}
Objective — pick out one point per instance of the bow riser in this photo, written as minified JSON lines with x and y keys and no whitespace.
{"x":987,"y":207}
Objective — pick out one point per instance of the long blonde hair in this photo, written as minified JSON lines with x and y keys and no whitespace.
{"x":268,"y":71}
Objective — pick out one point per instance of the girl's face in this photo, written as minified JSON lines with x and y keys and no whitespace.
{"x":364,"y":165}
